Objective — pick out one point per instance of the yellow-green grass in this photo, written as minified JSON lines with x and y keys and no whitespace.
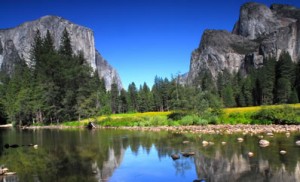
{"x":255,"y":108}
{"x":125,"y":115}
{"x":133,"y":115}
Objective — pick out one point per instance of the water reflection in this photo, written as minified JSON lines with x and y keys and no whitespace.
{"x":121,"y":155}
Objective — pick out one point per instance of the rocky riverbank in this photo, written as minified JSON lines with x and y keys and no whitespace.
{"x":208,"y":129}
{"x":222,"y":129}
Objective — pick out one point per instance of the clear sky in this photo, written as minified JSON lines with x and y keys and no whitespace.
{"x":139,"y":38}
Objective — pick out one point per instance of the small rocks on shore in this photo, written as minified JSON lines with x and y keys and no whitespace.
{"x":4,"y":171}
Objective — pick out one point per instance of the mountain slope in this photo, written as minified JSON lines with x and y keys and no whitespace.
{"x":15,"y":44}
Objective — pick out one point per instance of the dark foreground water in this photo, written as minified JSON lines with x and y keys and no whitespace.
{"x":123,"y":155}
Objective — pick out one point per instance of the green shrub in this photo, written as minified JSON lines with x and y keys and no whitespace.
{"x":175,"y":116}
{"x":239,"y":118}
{"x":201,"y":121}
{"x":279,"y":115}
{"x":187,"y":120}
{"x":193,"y":120}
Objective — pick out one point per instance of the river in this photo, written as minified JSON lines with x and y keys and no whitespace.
{"x":123,"y":155}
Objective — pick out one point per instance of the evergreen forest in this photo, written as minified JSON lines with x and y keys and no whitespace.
{"x":59,"y":85}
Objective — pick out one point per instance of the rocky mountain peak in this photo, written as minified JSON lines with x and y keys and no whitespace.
{"x":260,"y":32}
{"x":255,"y":20}
{"x":82,"y":40}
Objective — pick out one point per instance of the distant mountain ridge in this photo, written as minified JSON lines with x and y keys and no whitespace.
{"x":260,"y":32}
{"x":15,"y":44}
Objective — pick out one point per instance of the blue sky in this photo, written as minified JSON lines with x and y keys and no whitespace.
{"x":140,"y":38}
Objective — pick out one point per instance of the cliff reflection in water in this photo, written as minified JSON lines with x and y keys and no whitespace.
{"x":114,"y":155}
{"x":231,"y":162}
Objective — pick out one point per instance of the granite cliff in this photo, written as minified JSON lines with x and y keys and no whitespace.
{"x":259,"y":33}
{"x":15,"y":45}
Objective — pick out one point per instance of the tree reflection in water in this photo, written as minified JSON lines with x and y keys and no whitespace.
{"x":100,"y":155}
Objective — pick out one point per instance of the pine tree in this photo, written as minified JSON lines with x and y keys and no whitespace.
{"x":48,"y":43}
{"x":132,"y":97}
{"x":297,"y":81}
{"x":293,"y":98}
{"x":114,"y":98}
{"x":267,"y":80}
{"x":285,"y":77}
{"x":123,"y":101}
{"x":144,"y":98}
{"x":228,"y":98}
{"x":283,"y":90}
{"x":65,"y":44}
{"x":247,"y":91}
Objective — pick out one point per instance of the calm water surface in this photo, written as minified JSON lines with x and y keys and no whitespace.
{"x":123,"y":155}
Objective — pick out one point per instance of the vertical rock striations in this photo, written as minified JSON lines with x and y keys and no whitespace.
{"x":15,"y":43}
{"x":259,"y":33}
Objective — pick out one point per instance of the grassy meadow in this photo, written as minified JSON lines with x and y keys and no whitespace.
{"x":273,"y":114}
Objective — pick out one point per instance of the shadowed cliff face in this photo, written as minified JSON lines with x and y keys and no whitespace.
{"x":259,"y":33}
{"x":21,"y":37}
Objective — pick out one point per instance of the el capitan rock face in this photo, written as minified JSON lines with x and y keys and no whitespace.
{"x":259,"y":33}
{"x":15,"y":44}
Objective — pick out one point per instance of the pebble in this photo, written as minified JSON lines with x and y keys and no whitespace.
{"x":204,"y":143}
{"x":240,"y":139}
{"x":211,"y":143}
{"x":264,"y":143}
{"x":282,"y":152}
{"x":250,"y":154}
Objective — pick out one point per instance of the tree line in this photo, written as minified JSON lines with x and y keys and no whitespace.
{"x":59,"y":85}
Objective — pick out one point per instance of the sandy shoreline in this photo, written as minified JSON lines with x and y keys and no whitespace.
{"x":208,"y":129}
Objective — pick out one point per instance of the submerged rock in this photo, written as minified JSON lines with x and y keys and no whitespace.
{"x":264,"y":143}
{"x":175,"y":156}
{"x":250,"y":154}
{"x":282,"y":152}
{"x":205,"y":143}
{"x":240,"y":139}
{"x":188,"y":154}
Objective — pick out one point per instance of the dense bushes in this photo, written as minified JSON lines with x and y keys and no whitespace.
{"x":280,"y":115}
